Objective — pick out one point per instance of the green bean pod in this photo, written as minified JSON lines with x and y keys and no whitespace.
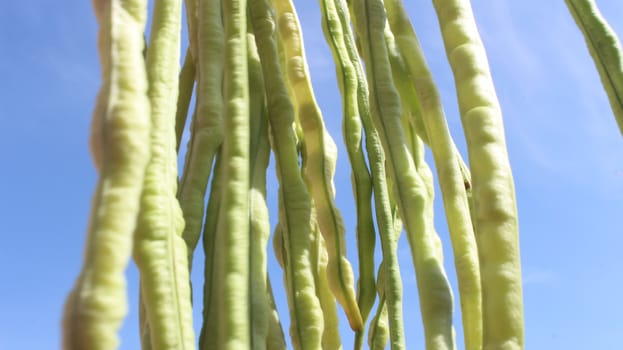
{"x":605,"y":48}
{"x":405,"y":85}
{"x":145,"y":331}
{"x":192,"y":17}
{"x":492,"y":182}
{"x":206,"y":131}
{"x":381,"y":328}
{"x":378,"y":334}
{"x":294,"y":200}
{"x":97,"y":304}
{"x":233,"y":241}
{"x":209,"y":328}
{"x":259,"y":225}
{"x":411,"y":136}
{"x":159,"y":250}
{"x":300,"y":137}
{"x":402,"y":80}
{"x":412,"y":72}
{"x":321,"y":154}
{"x":186,"y":87}
{"x":360,"y":176}
{"x":275,"y":339}
{"x":411,"y":192}
{"x":383,"y":210}
{"x":319,"y":260}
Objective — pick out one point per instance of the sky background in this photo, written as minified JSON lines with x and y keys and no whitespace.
{"x":564,"y":145}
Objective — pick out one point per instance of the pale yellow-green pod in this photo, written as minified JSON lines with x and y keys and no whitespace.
{"x":233,"y":244}
{"x":378,"y":333}
{"x":410,"y":190}
{"x":294,"y":201}
{"x":422,"y":105}
{"x":259,"y":224}
{"x":321,"y":156}
{"x":186,"y":88}
{"x":159,"y":250}
{"x":319,"y":259}
{"x":493,"y":191}
{"x":275,"y":339}
{"x":97,"y":304}
{"x":360,"y":176}
{"x":605,"y":48}
{"x":384,"y":216}
{"x":209,"y":329}
{"x":206,"y":128}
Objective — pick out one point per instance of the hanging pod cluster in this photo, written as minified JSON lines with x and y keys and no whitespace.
{"x":246,"y":67}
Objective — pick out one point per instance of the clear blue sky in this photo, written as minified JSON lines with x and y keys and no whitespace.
{"x":565,"y":149}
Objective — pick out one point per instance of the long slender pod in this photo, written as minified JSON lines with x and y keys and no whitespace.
{"x":380,"y":327}
{"x":206,"y":131}
{"x":411,"y":135}
{"x":406,"y":86}
{"x":159,"y":250}
{"x":259,"y":225}
{"x":145,"y":331}
{"x":378,"y":333}
{"x":605,"y":48}
{"x":409,"y":96}
{"x":402,"y":80}
{"x":275,"y":339}
{"x":97,"y":304}
{"x":417,"y":151}
{"x":190,"y":66}
{"x":192,"y":17}
{"x":209,"y":328}
{"x":294,"y":201}
{"x":186,"y":87}
{"x":319,"y":260}
{"x":411,"y":193}
{"x":233,"y":241}
{"x":321,"y":155}
{"x":383,"y":210}
{"x":492,"y":181}
{"x":448,"y":172}
{"x":360,"y":176}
